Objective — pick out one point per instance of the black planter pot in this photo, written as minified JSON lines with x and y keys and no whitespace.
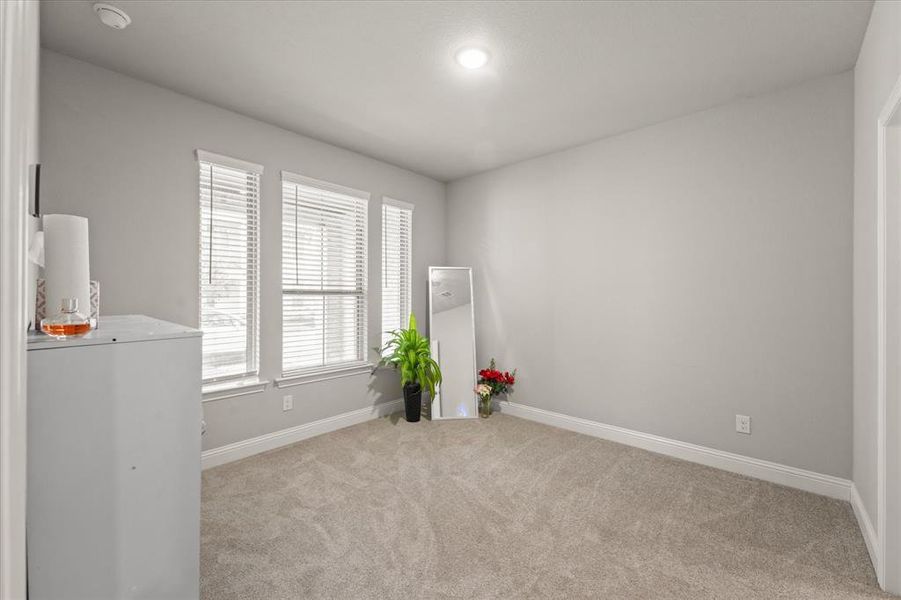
{"x":413,"y":401}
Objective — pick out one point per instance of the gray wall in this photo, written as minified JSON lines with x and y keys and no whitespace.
{"x":877,"y":70}
{"x":668,"y":278}
{"x":120,"y":152}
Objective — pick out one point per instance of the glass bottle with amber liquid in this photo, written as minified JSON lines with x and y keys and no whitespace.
{"x":68,"y":322}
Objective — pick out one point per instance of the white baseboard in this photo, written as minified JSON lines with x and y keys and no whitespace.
{"x":866,"y":528}
{"x":809,"y":481}
{"x":270,"y":441}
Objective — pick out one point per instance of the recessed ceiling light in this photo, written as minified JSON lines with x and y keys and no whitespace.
{"x":112,"y":16}
{"x":472,"y":58}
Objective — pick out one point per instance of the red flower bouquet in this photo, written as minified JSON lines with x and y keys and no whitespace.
{"x":499,"y":382}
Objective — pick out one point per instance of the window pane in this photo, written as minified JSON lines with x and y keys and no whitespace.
{"x":323,"y":278}
{"x":396,"y":268}
{"x":321,"y":330}
{"x":229,"y":259}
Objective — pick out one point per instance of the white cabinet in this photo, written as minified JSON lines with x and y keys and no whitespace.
{"x":114,"y":463}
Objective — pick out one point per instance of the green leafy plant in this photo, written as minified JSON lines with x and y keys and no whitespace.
{"x":408,"y":352}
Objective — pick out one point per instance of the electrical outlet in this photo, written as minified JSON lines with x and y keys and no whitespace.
{"x":287,"y":403}
{"x":743,"y":424}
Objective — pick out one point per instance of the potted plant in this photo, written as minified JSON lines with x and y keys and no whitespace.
{"x":493,"y":383}
{"x":408,"y":352}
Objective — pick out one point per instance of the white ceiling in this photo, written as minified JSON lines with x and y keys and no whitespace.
{"x":379,"y":77}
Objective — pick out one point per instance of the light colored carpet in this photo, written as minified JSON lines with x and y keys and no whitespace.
{"x":508,"y":508}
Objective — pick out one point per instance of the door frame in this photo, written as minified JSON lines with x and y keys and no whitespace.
{"x":887,"y":561}
{"x":19,"y":56}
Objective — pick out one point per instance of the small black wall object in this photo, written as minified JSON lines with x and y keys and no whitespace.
{"x":36,"y":189}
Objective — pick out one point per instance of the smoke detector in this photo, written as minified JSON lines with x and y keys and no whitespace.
{"x":112,"y":16}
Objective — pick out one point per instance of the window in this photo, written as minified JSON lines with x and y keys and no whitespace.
{"x":324,"y":242}
{"x":229,"y":266}
{"x":397,"y":244}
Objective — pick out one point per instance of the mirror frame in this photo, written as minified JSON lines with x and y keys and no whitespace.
{"x":475,"y":361}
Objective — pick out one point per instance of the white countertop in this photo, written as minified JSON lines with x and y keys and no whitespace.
{"x":115,"y":329}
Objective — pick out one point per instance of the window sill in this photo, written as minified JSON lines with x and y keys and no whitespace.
{"x":323,"y":375}
{"x":232,"y":389}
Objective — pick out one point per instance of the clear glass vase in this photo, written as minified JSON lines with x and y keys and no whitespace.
{"x":485,"y":407}
{"x":67,"y":323}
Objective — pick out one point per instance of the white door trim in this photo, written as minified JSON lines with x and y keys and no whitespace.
{"x":866,"y":527}
{"x":19,"y":52}
{"x":881,"y":562}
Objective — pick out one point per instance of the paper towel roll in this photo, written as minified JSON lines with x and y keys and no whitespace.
{"x":67,"y":262}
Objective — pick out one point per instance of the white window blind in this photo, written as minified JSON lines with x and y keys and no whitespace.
{"x":229,"y":266}
{"x":397,"y":247}
{"x":324,"y":262}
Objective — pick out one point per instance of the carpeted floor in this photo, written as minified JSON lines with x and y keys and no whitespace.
{"x":508,"y":508}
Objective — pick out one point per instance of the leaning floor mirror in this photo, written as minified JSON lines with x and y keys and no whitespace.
{"x":452,"y":334}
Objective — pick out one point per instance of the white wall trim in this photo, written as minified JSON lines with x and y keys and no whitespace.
{"x":315,"y":376}
{"x":19,"y":48}
{"x":866,"y":527}
{"x":270,"y":441}
{"x":324,"y":185}
{"x":233,"y":389}
{"x":228,"y":161}
{"x":888,"y":112}
{"x":398,"y":203}
{"x":809,"y":481}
